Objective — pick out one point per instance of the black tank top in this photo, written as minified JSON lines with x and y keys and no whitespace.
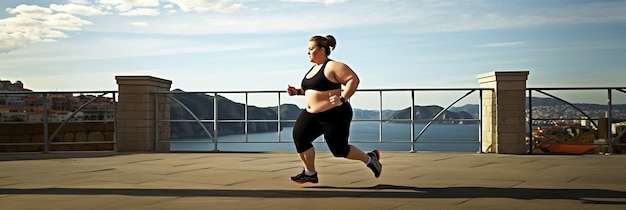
{"x":319,"y":81}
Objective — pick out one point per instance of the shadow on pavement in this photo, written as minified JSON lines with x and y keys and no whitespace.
{"x":594,"y":196}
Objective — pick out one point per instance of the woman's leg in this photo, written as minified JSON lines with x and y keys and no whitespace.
{"x":305,"y":131}
{"x":356,"y":154}
{"x":308,"y":159}
{"x":337,"y":130}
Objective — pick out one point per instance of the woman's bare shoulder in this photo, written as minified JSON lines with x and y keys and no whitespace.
{"x":336,"y":62}
{"x":338,"y":65}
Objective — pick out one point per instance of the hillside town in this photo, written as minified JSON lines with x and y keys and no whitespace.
{"x":19,"y":104}
{"x":563,"y":114}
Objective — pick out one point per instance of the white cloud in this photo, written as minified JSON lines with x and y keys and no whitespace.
{"x":12,"y":41}
{"x":126,"y":5}
{"x":141,"y":12}
{"x":82,"y":2}
{"x":65,"y":22}
{"x":220,"y":6}
{"x":30,"y":11}
{"x":327,"y":2}
{"x":34,"y":24}
{"x":139,"y":23}
{"x":170,"y":8}
{"x":77,"y":9}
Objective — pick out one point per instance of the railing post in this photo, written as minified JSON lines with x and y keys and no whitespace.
{"x":279,"y":116}
{"x":504,"y":112}
{"x":115,"y":122}
{"x":156,"y":121}
{"x":380,"y":116}
{"x":215,"y":121}
{"x":412,"y":121}
{"x":609,"y":117}
{"x":480,"y":122}
{"x":46,"y":140}
{"x":531,"y":144}
{"x":245,"y":117}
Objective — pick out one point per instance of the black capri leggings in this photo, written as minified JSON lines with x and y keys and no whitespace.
{"x":333,"y":123}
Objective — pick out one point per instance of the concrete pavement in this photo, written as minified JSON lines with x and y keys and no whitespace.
{"x":425,"y":180}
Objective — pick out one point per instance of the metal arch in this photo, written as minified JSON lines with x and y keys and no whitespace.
{"x":435,"y":117}
{"x":194,"y":116}
{"x":568,"y":103}
{"x":70,"y":117}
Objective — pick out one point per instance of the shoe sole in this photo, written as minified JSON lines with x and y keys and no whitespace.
{"x":302,"y":182}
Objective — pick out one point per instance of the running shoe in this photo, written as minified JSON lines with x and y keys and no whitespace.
{"x":303,"y":178}
{"x":375,"y":164}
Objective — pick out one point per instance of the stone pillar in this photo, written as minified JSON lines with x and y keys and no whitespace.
{"x":504,"y":112}
{"x":136,"y":124}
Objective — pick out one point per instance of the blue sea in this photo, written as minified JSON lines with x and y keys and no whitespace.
{"x":366,"y":135}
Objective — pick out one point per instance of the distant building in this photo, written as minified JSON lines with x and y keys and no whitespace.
{"x":13,"y":115}
{"x":35,"y":115}
{"x":12,"y":99}
{"x":6,"y":85}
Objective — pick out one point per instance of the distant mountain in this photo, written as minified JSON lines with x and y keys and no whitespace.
{"x":472,"y":109}
{"x":364,"y":114}
{"x":202,"y":106}
{"x":429,"y":112}
{"x":288,"y":112}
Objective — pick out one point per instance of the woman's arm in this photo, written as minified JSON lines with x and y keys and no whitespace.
{"x":345,"y":75}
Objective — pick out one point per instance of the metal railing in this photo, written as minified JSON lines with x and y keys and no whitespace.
{"x":576,"y":115}
{"x":22,"y":108}
{"x":210,"y":126}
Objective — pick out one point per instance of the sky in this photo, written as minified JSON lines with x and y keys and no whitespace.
{"x":240,"y":45}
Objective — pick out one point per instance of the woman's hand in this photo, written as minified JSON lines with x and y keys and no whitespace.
{"x":292,"y":90}
{"x":334,"y":99}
